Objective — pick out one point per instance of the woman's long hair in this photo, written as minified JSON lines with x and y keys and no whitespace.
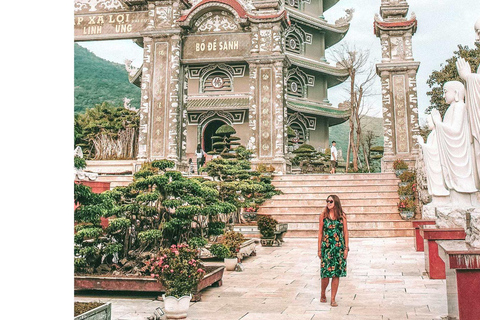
{"x":337,"y":208}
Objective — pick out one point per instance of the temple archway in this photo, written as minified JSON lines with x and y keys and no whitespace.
{"x":209,"y":131}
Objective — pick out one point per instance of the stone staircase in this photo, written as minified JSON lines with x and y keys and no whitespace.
{"x":369,"y":200}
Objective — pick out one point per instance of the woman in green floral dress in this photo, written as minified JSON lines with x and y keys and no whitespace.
{"x":332,"y":246}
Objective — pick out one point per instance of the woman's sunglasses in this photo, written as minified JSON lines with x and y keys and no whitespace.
{"x":329,"y":201}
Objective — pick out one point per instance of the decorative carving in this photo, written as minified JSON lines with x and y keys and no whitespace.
{"x":345,"y":20}
{"x":94,"y":5}
{"x":401,"y":117}
{"x":216,"y":22}
{"x":130,"y":69}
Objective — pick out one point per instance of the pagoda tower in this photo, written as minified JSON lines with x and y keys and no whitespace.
{"x":398,"y":72}
{"x":309,"y":75}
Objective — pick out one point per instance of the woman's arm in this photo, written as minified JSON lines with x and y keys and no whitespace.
{"x":320,"y":234}
{"x":345,"y":234}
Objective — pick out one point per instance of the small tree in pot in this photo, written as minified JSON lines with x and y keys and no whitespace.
{"x":266,"y":225}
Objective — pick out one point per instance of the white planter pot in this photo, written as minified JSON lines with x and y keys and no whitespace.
{"x":176,"y":308}
{"x":230,"y":263}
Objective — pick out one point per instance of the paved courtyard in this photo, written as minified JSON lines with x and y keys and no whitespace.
{"x":385,"y":280}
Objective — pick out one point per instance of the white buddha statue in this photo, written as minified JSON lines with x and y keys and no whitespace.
{"x":473,"y":109}
{"x":433,"y":169}
{"x":454,"y":141}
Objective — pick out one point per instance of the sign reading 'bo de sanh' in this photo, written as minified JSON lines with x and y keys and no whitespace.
{"x":121,"y":25}
{"x":217,"y":46}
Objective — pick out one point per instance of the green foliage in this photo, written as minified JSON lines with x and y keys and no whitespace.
{"x":177,"y":269}
{"x":407,"y":176}
{"x":266,"y":225}
{"x":92,"y":205}
{"x":197,"y":242}
{"x":232,"y":240}
{"x":98,"y":81}
{"x":118,"y":225}
{"x":400,"y":165}
{"x":221,"y":251}
{"x":448,"y":72}
{"x":150,"y":237}
{"x":87,"y":233}
{"x":216,"y":228}
{"x":79,"y":163}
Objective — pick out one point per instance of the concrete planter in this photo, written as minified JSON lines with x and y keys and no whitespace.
{"x":104,"y":312}
{"x":267,"y":242}
{"x":176,"y":308}
{"x":230,"y":263}
{"x":142,"y":284}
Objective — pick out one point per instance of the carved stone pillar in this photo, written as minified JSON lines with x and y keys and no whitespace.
{"x":145,"y":98}
{"x":161,"y":114}
{"x":399,"y":87}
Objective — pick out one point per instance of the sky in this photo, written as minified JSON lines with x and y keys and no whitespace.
{"x":442,"y":25}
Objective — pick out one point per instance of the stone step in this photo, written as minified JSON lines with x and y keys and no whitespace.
{"x":116,"y":180}
{"x":318,"y":209}
{"x":355,"y":225}
{"x":321,"y":202}
{"x":350,"y":217}
{"x":111,"y":166}
{"x":337,"y":189}
{"x":372,"y":233}
{"x":352,"y":176}
{"x":335,"y":183}
{"x":341,"y":195}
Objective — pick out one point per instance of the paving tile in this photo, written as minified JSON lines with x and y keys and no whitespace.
{"x":385,"y":280}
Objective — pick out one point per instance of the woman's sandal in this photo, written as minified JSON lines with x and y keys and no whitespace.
{"x":334,"y":304}
{"x":323,"y":300}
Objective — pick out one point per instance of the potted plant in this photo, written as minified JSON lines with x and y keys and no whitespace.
{"x":223,"y":252}
{"x":407,"y":208}
{"x":266,"y":225}
{"x":179,"y":272}
{"x":400,"y":167}
{"x":407,"y":191}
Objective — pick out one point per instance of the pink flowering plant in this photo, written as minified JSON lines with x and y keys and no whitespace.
{"x":177,"y":269}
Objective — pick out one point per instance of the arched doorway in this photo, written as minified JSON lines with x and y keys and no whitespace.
{"x":209,"y":132}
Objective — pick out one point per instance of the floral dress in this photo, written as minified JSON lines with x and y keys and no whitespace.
{"x":333,"y":263}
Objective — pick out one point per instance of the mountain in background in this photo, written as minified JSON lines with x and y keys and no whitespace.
{"x":339,"y":133}
{"x":98,"y":80}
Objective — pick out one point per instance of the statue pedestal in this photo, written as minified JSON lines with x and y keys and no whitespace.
{"x":419,"y":246}
{"x":463,"y":279}
{"x":473,"y":228}
{"x":434,"y":265}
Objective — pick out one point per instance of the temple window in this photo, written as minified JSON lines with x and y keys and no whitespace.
{"x":293,"y":43}
{"x":295,"y":87}
{"x":216,"y":81}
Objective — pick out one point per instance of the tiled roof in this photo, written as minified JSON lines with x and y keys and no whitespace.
{"x":208,"y":103}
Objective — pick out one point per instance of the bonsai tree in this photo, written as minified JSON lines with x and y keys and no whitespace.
{"x":107,"y":132}
{"x":305,"y":152}
{"x":221,"y":251}
{"x":266,"y":225}
{"x":223,"y":141}
{"x":237,"y":183}
{"x":158,"y":209}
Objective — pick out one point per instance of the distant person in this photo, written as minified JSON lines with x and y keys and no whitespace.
{"x":200,"y":158}
{"x":191,"y":169}
{"x":333,"y":157}
{"x":332,"y":247}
